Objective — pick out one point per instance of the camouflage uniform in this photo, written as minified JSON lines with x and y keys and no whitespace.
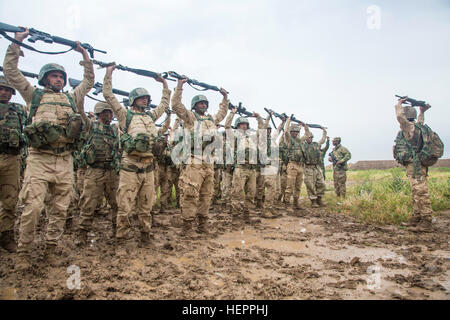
{"x":12,"y":119}
{"x":244,"y":174}
{"x":315,"y":185}
{"x":136,"y":176}
{"x":164,"y":163}
{"x":422,"y":210}
{"x":217,"y":179}
{"x":295,"y":166}
{"x":196,"y":180}
{"x":342,"y":155}
{"x":284,"y":161}
{"x":50,"y":167}
{"x":100,"y":177}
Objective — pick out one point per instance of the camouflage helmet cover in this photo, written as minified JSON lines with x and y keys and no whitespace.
{"x":294,"y":127}
{"x":4,"y":83}
{"x":410,"y":112}
{"x":48,"y":68}
{"x":137,"y":93}
{"x":337,"y":139}
{"x":241,"y":120}
{"x":199,"y":98}
{"x":100,"y":106}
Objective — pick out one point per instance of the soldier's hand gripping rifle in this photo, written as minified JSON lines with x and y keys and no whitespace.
{"x":413,"y":102}
{"x":311,"y":125}
{"x":333,"y":158}
{"x":141,"y":72}
{"x":192,"y":82}
{"x":36,"y":35}
{"x":283,"y":117}
{"x":240,"y":110}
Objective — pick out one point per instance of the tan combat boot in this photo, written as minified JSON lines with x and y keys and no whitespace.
{"x":267,"y":214}
{"x":203,"y":225}
{"x":425,"y":225}
{"x":314,"y":203}
{"x":297,"y":205}
{"x":320,"y":202}
{"x":186,"y":229}
{"x":7,"y":241}
{"x":145,"y":237}
{"x":23,"y":262}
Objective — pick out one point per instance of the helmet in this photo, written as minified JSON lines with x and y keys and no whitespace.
{"x":137,"y":93}
{"x":241,"y":120}
{"x":410,"y":112}
{"x":294,"y":127}
{"x":337,"y":139}
{"x":4,"y":83}
{"x":199,"y":98}
{"x":48,"y":68}
{"x":100,"y":106}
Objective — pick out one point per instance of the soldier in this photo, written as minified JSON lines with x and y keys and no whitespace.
{"x":244,"y":174}
{"x":315,"y":184}
{"x":295,"y":165}
{"x":53,"y":127}
{"x":323,"y":152}
{"x":411,"y":135}
{"x":12,"y":120}
{"x":227,"y":179}
{"x":101,"y":155}
{"x":174,"y":169}
{"x":339,"y":156}
{"x":269,"y":171}
{"x":136,"y":176}
{"x":197,"y":178}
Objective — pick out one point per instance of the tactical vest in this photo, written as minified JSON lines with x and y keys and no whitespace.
{"x":12,"y":118}
{"x":53,"y":119}
{"x":425,"y":147}
{"x":139,"y":134}
{"x":295,"y":150}
{"x":248,"y":145}
{"x":208,"y":123}
{"x":101,"y":149}
{"x":311,"y":153}
{"x":283,"y":153}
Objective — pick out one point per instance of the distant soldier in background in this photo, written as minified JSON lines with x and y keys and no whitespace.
{"x":339,"y":157}
{"x":12,"y":143}
{"x":162,"y":154}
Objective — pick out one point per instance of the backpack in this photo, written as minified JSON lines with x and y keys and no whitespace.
{"x":432,"y":150}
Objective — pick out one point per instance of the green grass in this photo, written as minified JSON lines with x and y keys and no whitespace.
{"x":384,"y":196}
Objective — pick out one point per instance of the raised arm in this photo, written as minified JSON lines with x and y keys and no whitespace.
{"x":307,"y":132}
{"x":165,"y":99}
{"x":223,"y":107}
{"x":177,"y":106}
{"x":324,"y":137}
{"x":11,"y":70}
{"x":166,"y":125}
{"x":287,"y":134}
{"x":88,"y":77}
{"x":111,"y":99}
{"x":230,"y":119}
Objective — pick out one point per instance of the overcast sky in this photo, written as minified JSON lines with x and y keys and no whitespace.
{"x":335,"y":63}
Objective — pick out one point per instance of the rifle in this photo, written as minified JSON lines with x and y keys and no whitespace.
{"x":193,"y":82}
{"x":141,"y":72}
{"x":333,"y":158}
{"x":413,"y":102}
{"x":241,"y":110}
{"x":316,"y":126}
{"x":36,"y":35}
{"x":271,"y":118}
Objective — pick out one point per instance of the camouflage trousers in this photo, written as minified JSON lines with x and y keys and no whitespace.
{"x":315,"y":185}
{"x":259,"y":197}
{"x":164,"y":184}
{"x":272,"y":187}
{"x":339,"y":180}
{"x":217,"y":179}
{"x":98,"y":183}
{"x":196,"y":190}
{"x":45,"y":174}
{"x":283,"y":183}
{"x":80,"y":180}
{"x":173,"y":181}
{"x":9,"y":190}
{"x":156,"y":179}
{"x":293,"y":182}
{"x":243,"y":190}
{"x":322,"y":167}
{"x":227,"y":180}
{"x":136,"y":191}
{"x":420,"y":193}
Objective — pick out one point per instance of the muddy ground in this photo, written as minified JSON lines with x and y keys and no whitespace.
{"x":320,"y":255}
